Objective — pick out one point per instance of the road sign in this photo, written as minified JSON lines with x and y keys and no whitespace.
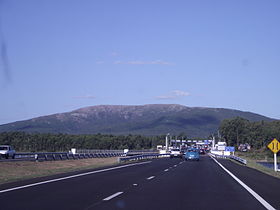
{"x":274,"y":145}
{"x":222,"y":148}
{"x":230,"y":149}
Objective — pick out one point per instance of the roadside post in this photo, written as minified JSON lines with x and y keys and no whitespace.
{"x":274,"y":146}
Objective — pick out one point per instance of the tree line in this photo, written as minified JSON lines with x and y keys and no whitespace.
{"x":46,"y":142}
{"x":234,"y":131}
{"x":258,"y":134}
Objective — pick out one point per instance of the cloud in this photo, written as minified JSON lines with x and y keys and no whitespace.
{"x":99,"y":62}
{"x":114,"y":54}
{"x":139,"y":62}
{"x":180,"y":93}
{"x":173,"y":95}
{"x":85,"y":97}
{"x":165,"y":97}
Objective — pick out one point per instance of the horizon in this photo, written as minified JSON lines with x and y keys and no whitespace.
{"x":134,"y":105}
{"x":61,"y":55}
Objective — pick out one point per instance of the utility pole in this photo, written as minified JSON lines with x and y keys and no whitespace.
{"x":219,"y":136}
{"x":213,"y":142}
{"x":167,"y":142}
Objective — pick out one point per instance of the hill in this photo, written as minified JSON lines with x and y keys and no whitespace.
{"x":155,"y":119}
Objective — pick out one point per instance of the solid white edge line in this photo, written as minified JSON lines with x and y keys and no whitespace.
{"x":112,"y":196}
{"x":151,"y":177}
{"x":252,"y":192}
{"x":70,"y":177}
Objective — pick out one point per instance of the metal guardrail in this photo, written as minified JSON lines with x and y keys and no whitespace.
{"x":94,"y":151}
{"x":48,"y":156}
{"x":238,"y":159}
{"x":116,"y":151}
{"x":143,"y":151}
{"x":52,"y":156}
{"x":142,"y":157}
{"x":243,"y":161}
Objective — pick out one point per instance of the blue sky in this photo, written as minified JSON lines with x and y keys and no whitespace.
{"x":60,"y":55}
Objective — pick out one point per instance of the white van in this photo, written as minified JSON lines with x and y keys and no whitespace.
{"x":7,"y":151}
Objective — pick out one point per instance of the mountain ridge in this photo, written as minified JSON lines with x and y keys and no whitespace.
{"x":149,"y":119}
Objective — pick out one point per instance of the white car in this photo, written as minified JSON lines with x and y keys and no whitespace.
{"x":7,"y":151}
{"x":176,"y":153}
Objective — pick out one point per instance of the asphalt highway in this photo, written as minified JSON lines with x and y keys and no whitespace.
{"x":166,"y":184}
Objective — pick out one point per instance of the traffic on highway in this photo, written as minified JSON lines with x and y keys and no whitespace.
{"x":162,"y":183}
{"x":186,"y":176}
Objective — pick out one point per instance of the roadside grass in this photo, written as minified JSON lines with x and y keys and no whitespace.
{"x":253,"y":157}
{"x":16,"y":171}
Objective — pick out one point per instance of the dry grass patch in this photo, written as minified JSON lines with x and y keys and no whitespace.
{"x":14,"y":171}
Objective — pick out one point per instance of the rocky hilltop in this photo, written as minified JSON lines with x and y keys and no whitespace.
{"x":153,"y":119}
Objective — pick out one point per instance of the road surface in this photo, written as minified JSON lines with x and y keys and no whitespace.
{"x":166,"y":184}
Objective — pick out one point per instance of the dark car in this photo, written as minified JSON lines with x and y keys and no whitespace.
{"x":202,"y":151}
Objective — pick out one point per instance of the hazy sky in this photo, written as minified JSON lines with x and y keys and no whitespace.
{"x":60,"y":55}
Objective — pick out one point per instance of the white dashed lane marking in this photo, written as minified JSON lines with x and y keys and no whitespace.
{"x":151,"y":177}
{"x":112,"y":196}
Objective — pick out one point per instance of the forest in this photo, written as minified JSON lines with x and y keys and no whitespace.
{"x":234,"y":131}
{"x":40,"y":142}
{"x":238,"y":131}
